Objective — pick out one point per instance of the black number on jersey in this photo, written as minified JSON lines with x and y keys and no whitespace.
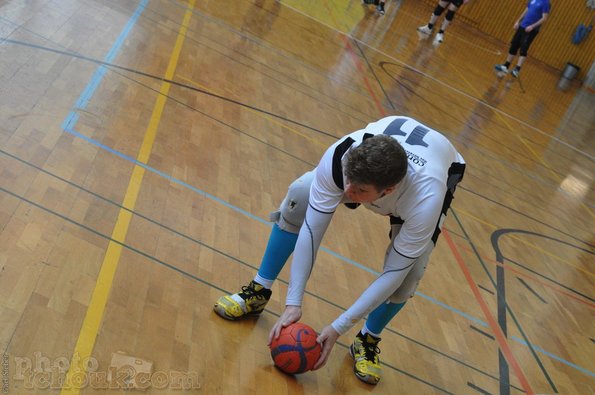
{"x":416,"y":137}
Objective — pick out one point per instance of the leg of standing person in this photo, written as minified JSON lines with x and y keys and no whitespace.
{"x":450,"y":14}
{"x":380,"y":7}
{"x":526,"y":41}
{"x":515,"y":44}
{"x":364,"y":348}
{"x":252,"y":299}
{"x":427,"y":29}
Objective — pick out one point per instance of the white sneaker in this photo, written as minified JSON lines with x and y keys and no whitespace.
{"x":424,"y":29}
{"x":501,"y":68}
{"x":439,"y":38}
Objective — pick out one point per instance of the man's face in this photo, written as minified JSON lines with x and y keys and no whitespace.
{"x":365,"y":193}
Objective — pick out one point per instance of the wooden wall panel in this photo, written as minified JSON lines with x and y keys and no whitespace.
{"x":553,"y":45}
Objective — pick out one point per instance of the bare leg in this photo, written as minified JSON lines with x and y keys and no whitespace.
{"x":452,"y":8}
{"x":521,"y":60}
{"x":435,"y":17}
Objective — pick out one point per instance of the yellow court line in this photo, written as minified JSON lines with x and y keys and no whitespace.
{"x":562,"y":260}
{"x":76,"y":378}
{"x":264,"y":116}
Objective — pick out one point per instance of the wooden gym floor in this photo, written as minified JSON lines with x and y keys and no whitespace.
{"x":144,"y":142}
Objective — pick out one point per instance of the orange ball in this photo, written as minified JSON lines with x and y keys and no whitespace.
{"x":296,"y":349}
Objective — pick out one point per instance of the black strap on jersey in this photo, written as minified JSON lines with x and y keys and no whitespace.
{"x":455,"y":175}
{"x":338,"y":155}
{"x":337,"y":165}
{"x":394,"y":221}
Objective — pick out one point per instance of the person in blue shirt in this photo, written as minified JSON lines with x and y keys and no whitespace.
{"x":527,"y":27}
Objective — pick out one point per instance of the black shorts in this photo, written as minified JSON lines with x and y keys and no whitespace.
{"x":458,"y":3}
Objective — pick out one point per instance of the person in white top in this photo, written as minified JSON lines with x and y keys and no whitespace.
{"x":396,"y":167}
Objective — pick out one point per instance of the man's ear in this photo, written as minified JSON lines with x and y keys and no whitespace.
{"x":390,"y":190}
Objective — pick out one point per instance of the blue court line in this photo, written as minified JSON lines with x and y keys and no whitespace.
{"x":541,"y":350}
{"x":83,"y":100}
{"x":431,"y":299}
{"x":454,"y":310}
{"x":166,"y":176}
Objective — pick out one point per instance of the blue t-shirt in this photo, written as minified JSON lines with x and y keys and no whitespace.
{"x":535,"y":10}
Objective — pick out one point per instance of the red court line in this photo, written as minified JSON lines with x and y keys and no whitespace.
{"x":518,"y":272}
{"x":362,"y":71}
{"x":358,"y":65}
{"x":504,"y":347}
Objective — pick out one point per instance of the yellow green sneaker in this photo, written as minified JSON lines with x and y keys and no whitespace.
{"x":250,"y":302}
{"x":364,"y":351}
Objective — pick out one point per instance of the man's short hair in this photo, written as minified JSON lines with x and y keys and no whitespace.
{"x":379,"y":161}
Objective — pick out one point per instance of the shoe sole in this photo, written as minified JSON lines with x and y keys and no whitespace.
{"x":220,"y":311}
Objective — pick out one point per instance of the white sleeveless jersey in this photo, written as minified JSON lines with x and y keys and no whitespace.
{"x":418,"y":200}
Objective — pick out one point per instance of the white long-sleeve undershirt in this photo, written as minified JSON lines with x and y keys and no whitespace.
{"x":306,"y":248}
{"x":396,"y":268}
